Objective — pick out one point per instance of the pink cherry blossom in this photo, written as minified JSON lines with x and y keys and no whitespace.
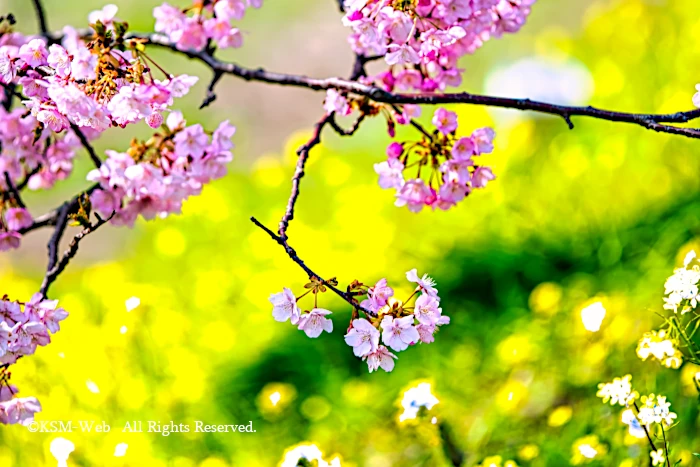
{"x":390,"y":173}
{"x":427,"y":310}
{"x":426,"y":283}
{"x":19,"y":410}
{"x":401,"y":55}
{"x":315,"y":322}
{"x":481,"y":177}
{"x":18,"y":218}
{"x":34,"y":53}
{"x":285,"y":306}
{"x":363,"y":337}
{"x":414,"y":194}
{"x":59,"y":60}
{"x":192,"y":141}
{"x":106,"y":15}
{"x":463,"y":149}
{"x":399,"y":333}
{"x":336,"y":102}
{"x":380,"y":358}
{"x":444,"y":120}
{"x":394,"y":150}
{"x":483,"y":140}
{"x":9,"y":240}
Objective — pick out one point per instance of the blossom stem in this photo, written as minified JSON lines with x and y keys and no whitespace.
{"x":646,"y":431}
{"x":690,"y":345}
{"x":663,"y":431}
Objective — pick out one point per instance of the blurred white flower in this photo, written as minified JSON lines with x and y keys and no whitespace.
{"x":309,"y":452}
{"x":60,"y":449}
{"x":587,"y":451}
{"x":120,"y":450}
{"x":132,"y":303}
{"x":414,"y":399}
{"x":592,"y":316}
{"x":629,"y":418}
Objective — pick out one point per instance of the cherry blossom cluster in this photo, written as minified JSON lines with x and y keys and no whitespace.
{"x":402,"y":323}
{"x":96,"y":85}
{"x":423,"y":40}
{"x":446,"y":170}
{"x":153,"y":178}
{"x":195,"y":27}
{"x":32,"y":152}
{"x":12,"y":221}
{"x":23,"y":327}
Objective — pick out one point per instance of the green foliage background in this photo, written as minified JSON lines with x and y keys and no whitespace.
{"x":603,"y":212}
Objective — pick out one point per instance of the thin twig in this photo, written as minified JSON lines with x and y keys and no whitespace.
{"x":53,"y":272}
{"x":350,"y":131}
{"x":86,"y":144}
{"x":41,"y":16}
{"x":294,"y":257}
{"x":668,"y":460}
{"x":12,"y":190}
{"x":54,"y":241}
{"x":303,"y":153}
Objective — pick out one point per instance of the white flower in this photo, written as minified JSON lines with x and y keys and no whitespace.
{"x":618,"y":392}
{"x":656,"y":410}
{"x":657,"y":457}
{"x":414,"y":399}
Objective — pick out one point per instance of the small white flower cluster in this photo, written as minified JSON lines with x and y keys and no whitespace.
{"x":656,"y":410}
{"x":619,"y":391}
{"x":653,"y":408}
{"x":659,"y":346}
{"x":682,"y":287}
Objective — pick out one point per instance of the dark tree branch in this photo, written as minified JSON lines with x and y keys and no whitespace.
{"x":8,"y":96}
{"x":653,"y":122}
{"x":211,"y":95}
{"x":53,"y":272}
{"x":51,"y":217}
{"x":23,"y":184}
{"x":649,"y":121}
{"x":303,"y":153}
{"x":294,"y":257}
{"x":12,"y":190}
{"x":350,"y":131}
{"x":86,"y":144}
{"x":54,"y":243}
{"x":41,"y":17}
